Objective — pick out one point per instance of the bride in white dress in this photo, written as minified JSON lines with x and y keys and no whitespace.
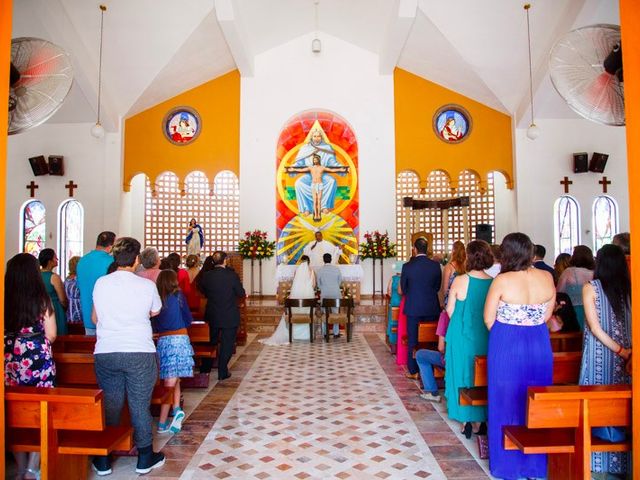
{"x":303,"y":286}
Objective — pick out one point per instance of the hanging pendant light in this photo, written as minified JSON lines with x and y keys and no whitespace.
{"x":98,"y":130}
{"x":316,"y":45}
{"x":533,"y":131}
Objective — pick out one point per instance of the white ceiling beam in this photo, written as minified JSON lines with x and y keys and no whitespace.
{"x":85,"y":70}
{"x":395,"y":37}
{"x":237,"y":41}
{"x":541,"y":66}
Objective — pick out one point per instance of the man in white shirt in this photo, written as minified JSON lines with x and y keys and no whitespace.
{"x":125,"y":355}
{"x":316,"y":250}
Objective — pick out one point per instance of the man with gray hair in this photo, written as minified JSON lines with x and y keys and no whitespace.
{"x":150,"y":260}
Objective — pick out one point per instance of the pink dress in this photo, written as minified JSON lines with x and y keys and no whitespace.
{"x":402,"y":350}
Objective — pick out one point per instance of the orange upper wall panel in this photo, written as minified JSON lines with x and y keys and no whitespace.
{"x":147,"y":150}
{"x":487,"y":148}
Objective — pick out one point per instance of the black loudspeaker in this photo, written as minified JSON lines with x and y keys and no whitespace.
{"x":598,"y":162}
{"x":484,"y":231}
{"x":39,"y":165}
{"x":56,"y":165}
{"x":580,"y":162}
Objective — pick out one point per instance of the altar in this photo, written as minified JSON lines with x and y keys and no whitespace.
{"x":351,"y":278}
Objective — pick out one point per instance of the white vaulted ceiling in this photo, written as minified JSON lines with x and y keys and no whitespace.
{"x":155,"y":49}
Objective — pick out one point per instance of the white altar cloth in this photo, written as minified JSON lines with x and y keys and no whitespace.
{"x":350,"y":273}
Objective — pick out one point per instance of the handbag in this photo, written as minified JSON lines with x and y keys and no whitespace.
{"x":483,"y":447}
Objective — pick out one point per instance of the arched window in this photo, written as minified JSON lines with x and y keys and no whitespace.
{"x":168,"y":211}
{"x":70,"y":227}
{"x":32,"y":227}
{"x":605,"y":220}
{"x":438,"y":187}
{"x":566,"y":220}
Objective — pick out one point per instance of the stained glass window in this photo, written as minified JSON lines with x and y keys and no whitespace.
{"x":70,"y":227}
{"x":566,"y":220}
{"x":33,"y":227}
{"x":605,"y":220}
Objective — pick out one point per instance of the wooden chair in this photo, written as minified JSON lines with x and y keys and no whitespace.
{"x":297,"y":318}
{"x":65,"y":425}
{"x":566,"y":342}
{"x":342,"y":318}
{"x":559,"y":421}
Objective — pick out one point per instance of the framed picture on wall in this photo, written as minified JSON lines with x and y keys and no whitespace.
{"x":182,"y":125}
{"x":452,"y":123}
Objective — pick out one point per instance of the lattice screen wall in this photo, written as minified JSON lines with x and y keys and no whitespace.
{"x":481,"y":209}
{"x":217,"y":210}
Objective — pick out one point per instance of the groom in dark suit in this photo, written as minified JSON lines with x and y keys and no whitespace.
{"x":222,"y":288}
{"x":420,"y":283}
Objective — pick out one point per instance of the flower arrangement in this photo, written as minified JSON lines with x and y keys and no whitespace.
{"x":255,"y":245}
{"x":377,"y":245}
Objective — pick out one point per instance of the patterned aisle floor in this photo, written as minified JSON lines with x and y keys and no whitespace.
{"x":315,"y":411}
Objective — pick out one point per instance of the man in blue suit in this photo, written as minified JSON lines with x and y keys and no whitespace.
{"x":420,"y":283}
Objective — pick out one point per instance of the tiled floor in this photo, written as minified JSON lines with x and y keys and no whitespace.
{"x":315,"y":411}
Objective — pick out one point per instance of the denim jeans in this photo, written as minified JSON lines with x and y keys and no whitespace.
{"x":130,"y":374}
{"x":426,"y":360}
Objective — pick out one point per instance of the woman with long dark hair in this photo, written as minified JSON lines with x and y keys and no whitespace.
{"x":30,"y":328}
{"x":579,"y":273}
{"x":607,"y":337}
{"x":55,"y":288}
{"x":520,"y":301}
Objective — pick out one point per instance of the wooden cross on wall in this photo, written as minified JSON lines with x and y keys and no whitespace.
{"x":71,"y":186}
{"x":32,"y":187}
{"x":604,"y":182}
{"x":566,"y":182}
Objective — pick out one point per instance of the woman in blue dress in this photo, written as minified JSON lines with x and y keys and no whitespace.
{"x":520,"y":301}
{"x":394,"y":303}
{"x":607,"y":338}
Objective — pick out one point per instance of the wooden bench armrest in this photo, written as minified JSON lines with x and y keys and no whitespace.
{"x":554,"y":440}
{"x":579,"y":392}
{"x":474,"y":396}
{"x":72,"y":442}
{"x":53,"y":395}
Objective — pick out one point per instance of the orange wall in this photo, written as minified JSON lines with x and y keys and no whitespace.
{"x":488,"y":147}
{"x":629,"y":20}
{"x":146,"y":149}
{"x":5,"y":60}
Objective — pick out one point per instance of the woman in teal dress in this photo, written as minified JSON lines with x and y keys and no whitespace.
{"x":467,"y":335}
{"x":55,"y":288}
{"x":579,"y":273}
{"x":394,"y":303}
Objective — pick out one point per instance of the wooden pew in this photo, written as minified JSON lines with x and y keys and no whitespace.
{"x":566,"y":370}
{"x":77,"y":370}
{"x":566,"y":342}
{"x":65,"y":425}
{"x":74,"y":344}
{"x":559,"y":421}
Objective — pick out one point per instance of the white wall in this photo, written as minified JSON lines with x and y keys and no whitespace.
{"x":505,"y":207}
{"x":91,"y":163}
{"x":290,"y":79}
{"x":543,"y":163}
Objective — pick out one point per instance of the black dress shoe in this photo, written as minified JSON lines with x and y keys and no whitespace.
{"x":336,"y":335}
{"x":482,"y":430}
{"x":224,"y":377}
{"x":468,"y":429}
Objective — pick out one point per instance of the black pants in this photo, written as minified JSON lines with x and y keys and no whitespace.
{"x":225,"y":339}
{"x":412,"y":339}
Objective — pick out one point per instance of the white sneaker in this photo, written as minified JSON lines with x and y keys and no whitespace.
{"x":431,"y":397}
{"x":176,"y":424}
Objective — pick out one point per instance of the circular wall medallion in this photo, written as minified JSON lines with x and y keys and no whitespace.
{"x":182,"y":125}
{"x":452,"y":123}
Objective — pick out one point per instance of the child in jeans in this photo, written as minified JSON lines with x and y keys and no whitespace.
{"x":174,"y":347}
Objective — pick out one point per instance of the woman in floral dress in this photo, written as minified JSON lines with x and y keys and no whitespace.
{"x":30,"y":327}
